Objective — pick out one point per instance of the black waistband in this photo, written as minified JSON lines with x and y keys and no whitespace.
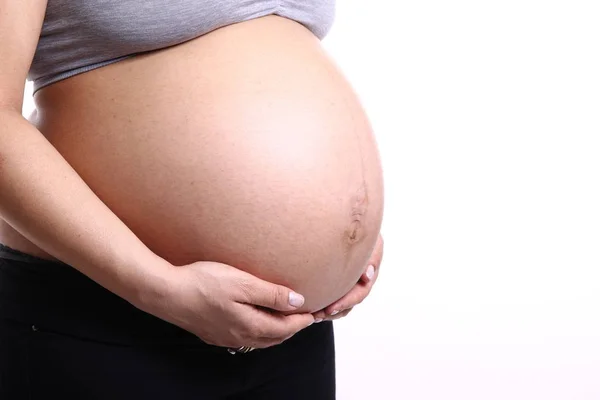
{"x":8,"y":253}
{"x":56,"y":297}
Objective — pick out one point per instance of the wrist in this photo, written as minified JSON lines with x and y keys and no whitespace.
{"x":145,"y":280}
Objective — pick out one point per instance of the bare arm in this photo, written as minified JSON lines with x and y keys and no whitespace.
{"x":45,"y":200}
{"x":41,"y":196}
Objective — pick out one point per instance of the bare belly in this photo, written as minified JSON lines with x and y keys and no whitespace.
{"x":245,"y":146}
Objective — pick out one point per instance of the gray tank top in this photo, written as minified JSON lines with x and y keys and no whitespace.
{"x":78,"y":36}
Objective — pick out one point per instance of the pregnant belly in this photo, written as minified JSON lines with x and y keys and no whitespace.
{"x":245,"y":146}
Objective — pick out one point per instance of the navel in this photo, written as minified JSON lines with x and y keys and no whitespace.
{"x":355,"y":230}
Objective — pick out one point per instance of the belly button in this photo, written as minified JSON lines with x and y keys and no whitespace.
{"x":354,"y":232}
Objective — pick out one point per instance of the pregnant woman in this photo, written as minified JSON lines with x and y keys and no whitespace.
{"x":198,"y":179}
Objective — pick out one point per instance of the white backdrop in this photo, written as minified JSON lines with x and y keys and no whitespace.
{"x":488,"y":119}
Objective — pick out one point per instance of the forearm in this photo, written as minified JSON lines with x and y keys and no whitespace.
{"x":45,"y":200}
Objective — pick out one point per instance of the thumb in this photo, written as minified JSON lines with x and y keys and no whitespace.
{"x":269,"y":295}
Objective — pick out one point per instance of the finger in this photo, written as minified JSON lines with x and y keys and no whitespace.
{"x":287,"y":338}
{"x":320,"y":315}
{"x":355,"y":296}
{"x":341,"y":314}
{"x":369,"y":274}
{"x":265,"y":342}
{"x":261,"y":328}
{"x":265,"y":294}
{"x":374,"y":261}
{"x":257,"y":343}
{"x":268,"y":325}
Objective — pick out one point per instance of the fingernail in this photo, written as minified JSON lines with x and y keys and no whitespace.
{"x":318,"y":320}
{"x":335,"y":312}
{"x":370,"y":272}
{"x":296,"y":300}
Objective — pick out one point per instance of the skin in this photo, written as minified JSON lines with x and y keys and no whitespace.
{"x":98,"y":179}
{"x":359,"y":292}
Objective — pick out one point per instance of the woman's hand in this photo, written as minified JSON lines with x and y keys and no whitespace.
{"x":225,"y":306}
{"x":359,"y":292}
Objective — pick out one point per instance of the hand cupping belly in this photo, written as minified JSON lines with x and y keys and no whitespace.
{"x":257,"y":156}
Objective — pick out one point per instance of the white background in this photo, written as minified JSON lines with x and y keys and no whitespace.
{"x":488,"y":119}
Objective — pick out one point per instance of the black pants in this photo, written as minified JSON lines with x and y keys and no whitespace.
{"x":63,"y":336}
